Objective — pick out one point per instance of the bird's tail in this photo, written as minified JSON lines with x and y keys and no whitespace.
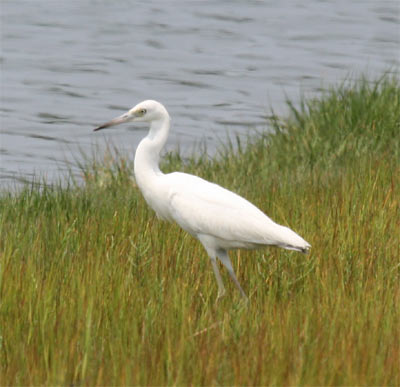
{"x":293,"y":241}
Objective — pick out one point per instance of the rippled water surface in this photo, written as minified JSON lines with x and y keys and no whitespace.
{"x":67,"y":66}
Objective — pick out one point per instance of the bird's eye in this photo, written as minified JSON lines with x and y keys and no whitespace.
{"x":142,"y":112}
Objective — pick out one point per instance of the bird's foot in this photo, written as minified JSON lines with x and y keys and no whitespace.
{"x":221,"y":293}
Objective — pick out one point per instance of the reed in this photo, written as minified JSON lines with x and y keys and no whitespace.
{"x":94,"y":290}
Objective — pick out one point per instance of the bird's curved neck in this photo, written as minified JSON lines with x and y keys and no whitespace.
{"x":148,"y":151}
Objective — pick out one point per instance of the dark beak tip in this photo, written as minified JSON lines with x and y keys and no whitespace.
{"x":115,"y":121}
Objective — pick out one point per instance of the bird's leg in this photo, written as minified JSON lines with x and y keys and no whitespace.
{"x":221,"y":288}
{"x":212,"y":253}
{"x":224,"y":258}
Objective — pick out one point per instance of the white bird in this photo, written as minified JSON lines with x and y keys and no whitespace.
{"x":220,"y":219}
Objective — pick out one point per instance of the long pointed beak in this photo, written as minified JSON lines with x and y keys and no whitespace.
{"x":116,"y":121}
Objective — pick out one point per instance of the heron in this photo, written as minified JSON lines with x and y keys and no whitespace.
{"x":220,"y":219}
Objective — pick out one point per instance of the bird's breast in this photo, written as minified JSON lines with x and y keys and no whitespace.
{"x":155,"y":194}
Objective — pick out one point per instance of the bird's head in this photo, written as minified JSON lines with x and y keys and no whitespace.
{"x":146,"y":111}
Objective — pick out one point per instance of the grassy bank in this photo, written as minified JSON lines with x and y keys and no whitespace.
{"x":96,"y":291}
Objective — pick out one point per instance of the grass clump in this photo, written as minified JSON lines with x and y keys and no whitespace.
{"x":94,"y":290}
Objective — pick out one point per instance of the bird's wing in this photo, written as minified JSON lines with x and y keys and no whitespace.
{"x":201,"y":207}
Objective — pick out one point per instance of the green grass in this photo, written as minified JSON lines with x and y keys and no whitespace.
{"x":96,"y":291}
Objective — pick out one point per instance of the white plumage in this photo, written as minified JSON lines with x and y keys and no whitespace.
{"x":220,"y":219}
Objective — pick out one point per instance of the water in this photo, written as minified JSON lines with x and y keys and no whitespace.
{"x":67,"y":66}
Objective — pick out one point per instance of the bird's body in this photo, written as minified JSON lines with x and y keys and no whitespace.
{"x":204,"y":208}
{"x":220,"y":219}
